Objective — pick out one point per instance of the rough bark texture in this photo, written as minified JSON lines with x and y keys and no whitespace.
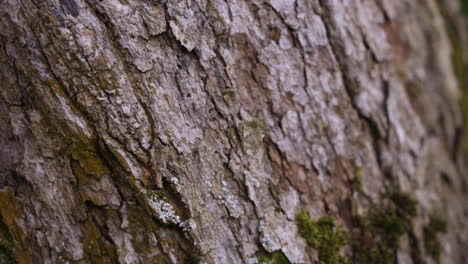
{"x":194,"y":131}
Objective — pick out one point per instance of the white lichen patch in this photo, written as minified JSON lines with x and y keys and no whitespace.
{"x":230,"y":201}
{"x":163,"y":210}
{"x":268,"y":238}
{"x":253,"y":260}
{"x":174,"y":180}
{"x":189,"y":225}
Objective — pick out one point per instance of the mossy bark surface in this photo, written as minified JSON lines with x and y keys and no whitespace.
{"x":195,"y":131}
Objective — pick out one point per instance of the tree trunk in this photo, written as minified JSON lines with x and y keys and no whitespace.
{"x":211,"y":131}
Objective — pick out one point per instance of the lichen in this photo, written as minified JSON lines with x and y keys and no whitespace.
{"x":230,"y":201}
{"x":86,"y":157}
{"x":268,"y":239}
{"x":276,"y":257}
{"x":324,"y":236}
{"x":431,"y":242}
{"x":163,"y":210}
{"x":189,"y":225}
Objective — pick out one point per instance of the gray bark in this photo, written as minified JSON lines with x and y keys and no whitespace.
{"x":180,"y":131}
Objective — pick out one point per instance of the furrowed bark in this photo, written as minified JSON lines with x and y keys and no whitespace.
{"x":196,"y":131}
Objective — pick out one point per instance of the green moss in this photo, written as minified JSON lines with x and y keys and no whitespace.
{"x":381,"y":230}
{"x":228,"y":96}
{"x":358,"y":180}
{"x":379,"y":237}
{"x":459,"y":65}
{"x":258,"y":124}
{"x":10,"y":211}
{"x":324,"y":236}
{"x":464,"y":5}
{"x":431,"y":242}
{"x":276,"y":257}
{"x":405,"y":203}
{"x":6,"y":245}
{"x":278,"y":209}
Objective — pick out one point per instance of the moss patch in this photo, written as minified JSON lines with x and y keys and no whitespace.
{"x":276,"y":257}
{"x":324,"y":236}
{"x":459,"y":65}
{"x":431,"y":242}
{"x":405,"y":203}
{"x":358,"y":180}
{"x":464,"y":5}
{"x":6,"y":245}
{"x":10,"y":211}
{"x":381,"y":230}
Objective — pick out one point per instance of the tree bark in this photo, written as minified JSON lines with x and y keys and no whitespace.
{"x":195,"y":131}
